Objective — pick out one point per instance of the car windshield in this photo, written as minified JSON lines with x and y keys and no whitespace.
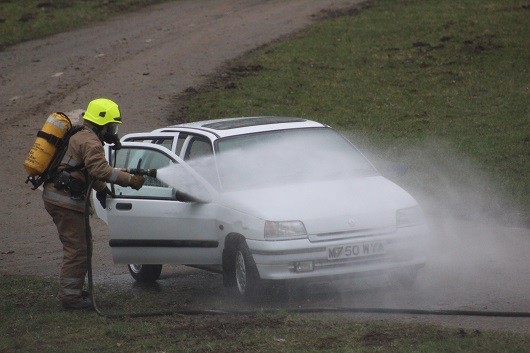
{"x":287,"y":156}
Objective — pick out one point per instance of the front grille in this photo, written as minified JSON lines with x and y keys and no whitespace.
{"x":352,"y":234}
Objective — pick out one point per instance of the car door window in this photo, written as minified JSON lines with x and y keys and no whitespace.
{"x":144,"y":158}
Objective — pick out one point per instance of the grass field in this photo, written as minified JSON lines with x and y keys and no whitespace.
{"x":22,"y":20}
{"x":434,"y":84}
{"x":32,"y":322}
{"x":438,"y":84}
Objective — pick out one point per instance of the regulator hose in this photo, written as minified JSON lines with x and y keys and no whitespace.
{"x":88,"y":236}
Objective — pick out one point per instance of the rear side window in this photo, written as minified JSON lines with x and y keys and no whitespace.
{"x":166,"y":142}
{"x":197,"y":151}
{"x":198,"y":147}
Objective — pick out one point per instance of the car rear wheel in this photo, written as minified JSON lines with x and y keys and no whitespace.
{"x":145,"y":273}
{"x":246,"y":272}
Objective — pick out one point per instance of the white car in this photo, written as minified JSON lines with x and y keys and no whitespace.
{"x":263,"y":200}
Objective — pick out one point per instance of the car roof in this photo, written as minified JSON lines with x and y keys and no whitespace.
{"x":244,"y":125}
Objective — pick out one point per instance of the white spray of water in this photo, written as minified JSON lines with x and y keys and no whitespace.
{"x":477,"y":256}
{"x":474,"y":261}
{"x":185,"y":184}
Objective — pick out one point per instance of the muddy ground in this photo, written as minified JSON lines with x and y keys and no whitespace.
{"x":144,"y":60}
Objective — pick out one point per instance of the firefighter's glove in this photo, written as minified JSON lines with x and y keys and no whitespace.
{"x":102,"y":196}
{"x":136,"y":182}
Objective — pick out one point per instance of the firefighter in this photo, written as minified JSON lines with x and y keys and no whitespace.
{"x":64,"y":194}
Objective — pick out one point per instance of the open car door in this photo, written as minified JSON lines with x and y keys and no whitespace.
{"x":163,"y":222}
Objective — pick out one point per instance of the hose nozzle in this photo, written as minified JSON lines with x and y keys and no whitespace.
{"x":146,"y":172}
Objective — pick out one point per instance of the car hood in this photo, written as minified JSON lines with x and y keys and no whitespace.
{"x":326,"y":206}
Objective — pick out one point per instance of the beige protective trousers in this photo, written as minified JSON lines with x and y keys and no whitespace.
{"x":71,"y":227}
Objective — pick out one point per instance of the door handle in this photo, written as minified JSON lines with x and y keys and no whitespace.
{"x":124,"y":206}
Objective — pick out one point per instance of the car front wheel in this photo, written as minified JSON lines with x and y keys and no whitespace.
{"x":145,"y":273}
{"x":246,"y":273}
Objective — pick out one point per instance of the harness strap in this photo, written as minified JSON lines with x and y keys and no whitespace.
{"x":54,"y":140}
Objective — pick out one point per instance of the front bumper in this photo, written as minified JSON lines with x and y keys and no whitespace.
{"x":303,"y":259}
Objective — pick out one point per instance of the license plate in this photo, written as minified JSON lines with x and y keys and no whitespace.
{"x":355,"y":250}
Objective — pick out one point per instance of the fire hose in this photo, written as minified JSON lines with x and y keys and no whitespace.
{"x":88,"y":236}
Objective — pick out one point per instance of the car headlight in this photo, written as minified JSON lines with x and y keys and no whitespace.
{"x":411,"y":216}
{"x":284,"y":230}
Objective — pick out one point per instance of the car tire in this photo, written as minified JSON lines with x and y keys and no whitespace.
{"x":246,"y":273}
{"x":145,"y":273}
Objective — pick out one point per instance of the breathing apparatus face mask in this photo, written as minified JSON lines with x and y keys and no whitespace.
{"x":112,"y":128}
{"x":110,"y":135}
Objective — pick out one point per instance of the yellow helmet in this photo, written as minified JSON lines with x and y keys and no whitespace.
{"x":102,"y":111}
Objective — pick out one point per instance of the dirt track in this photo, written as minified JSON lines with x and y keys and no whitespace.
{"x":143,"y":61}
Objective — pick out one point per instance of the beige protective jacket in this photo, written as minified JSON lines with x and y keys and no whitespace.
{"x":85,"y":148}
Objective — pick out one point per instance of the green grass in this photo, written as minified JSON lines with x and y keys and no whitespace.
{"x":22,"y":20}
{"x":404,"y":76}
{"x":32,"y":322}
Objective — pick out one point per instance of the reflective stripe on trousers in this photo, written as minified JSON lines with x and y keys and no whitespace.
{"x":70,"y":287}
{"x":71,"y":228}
